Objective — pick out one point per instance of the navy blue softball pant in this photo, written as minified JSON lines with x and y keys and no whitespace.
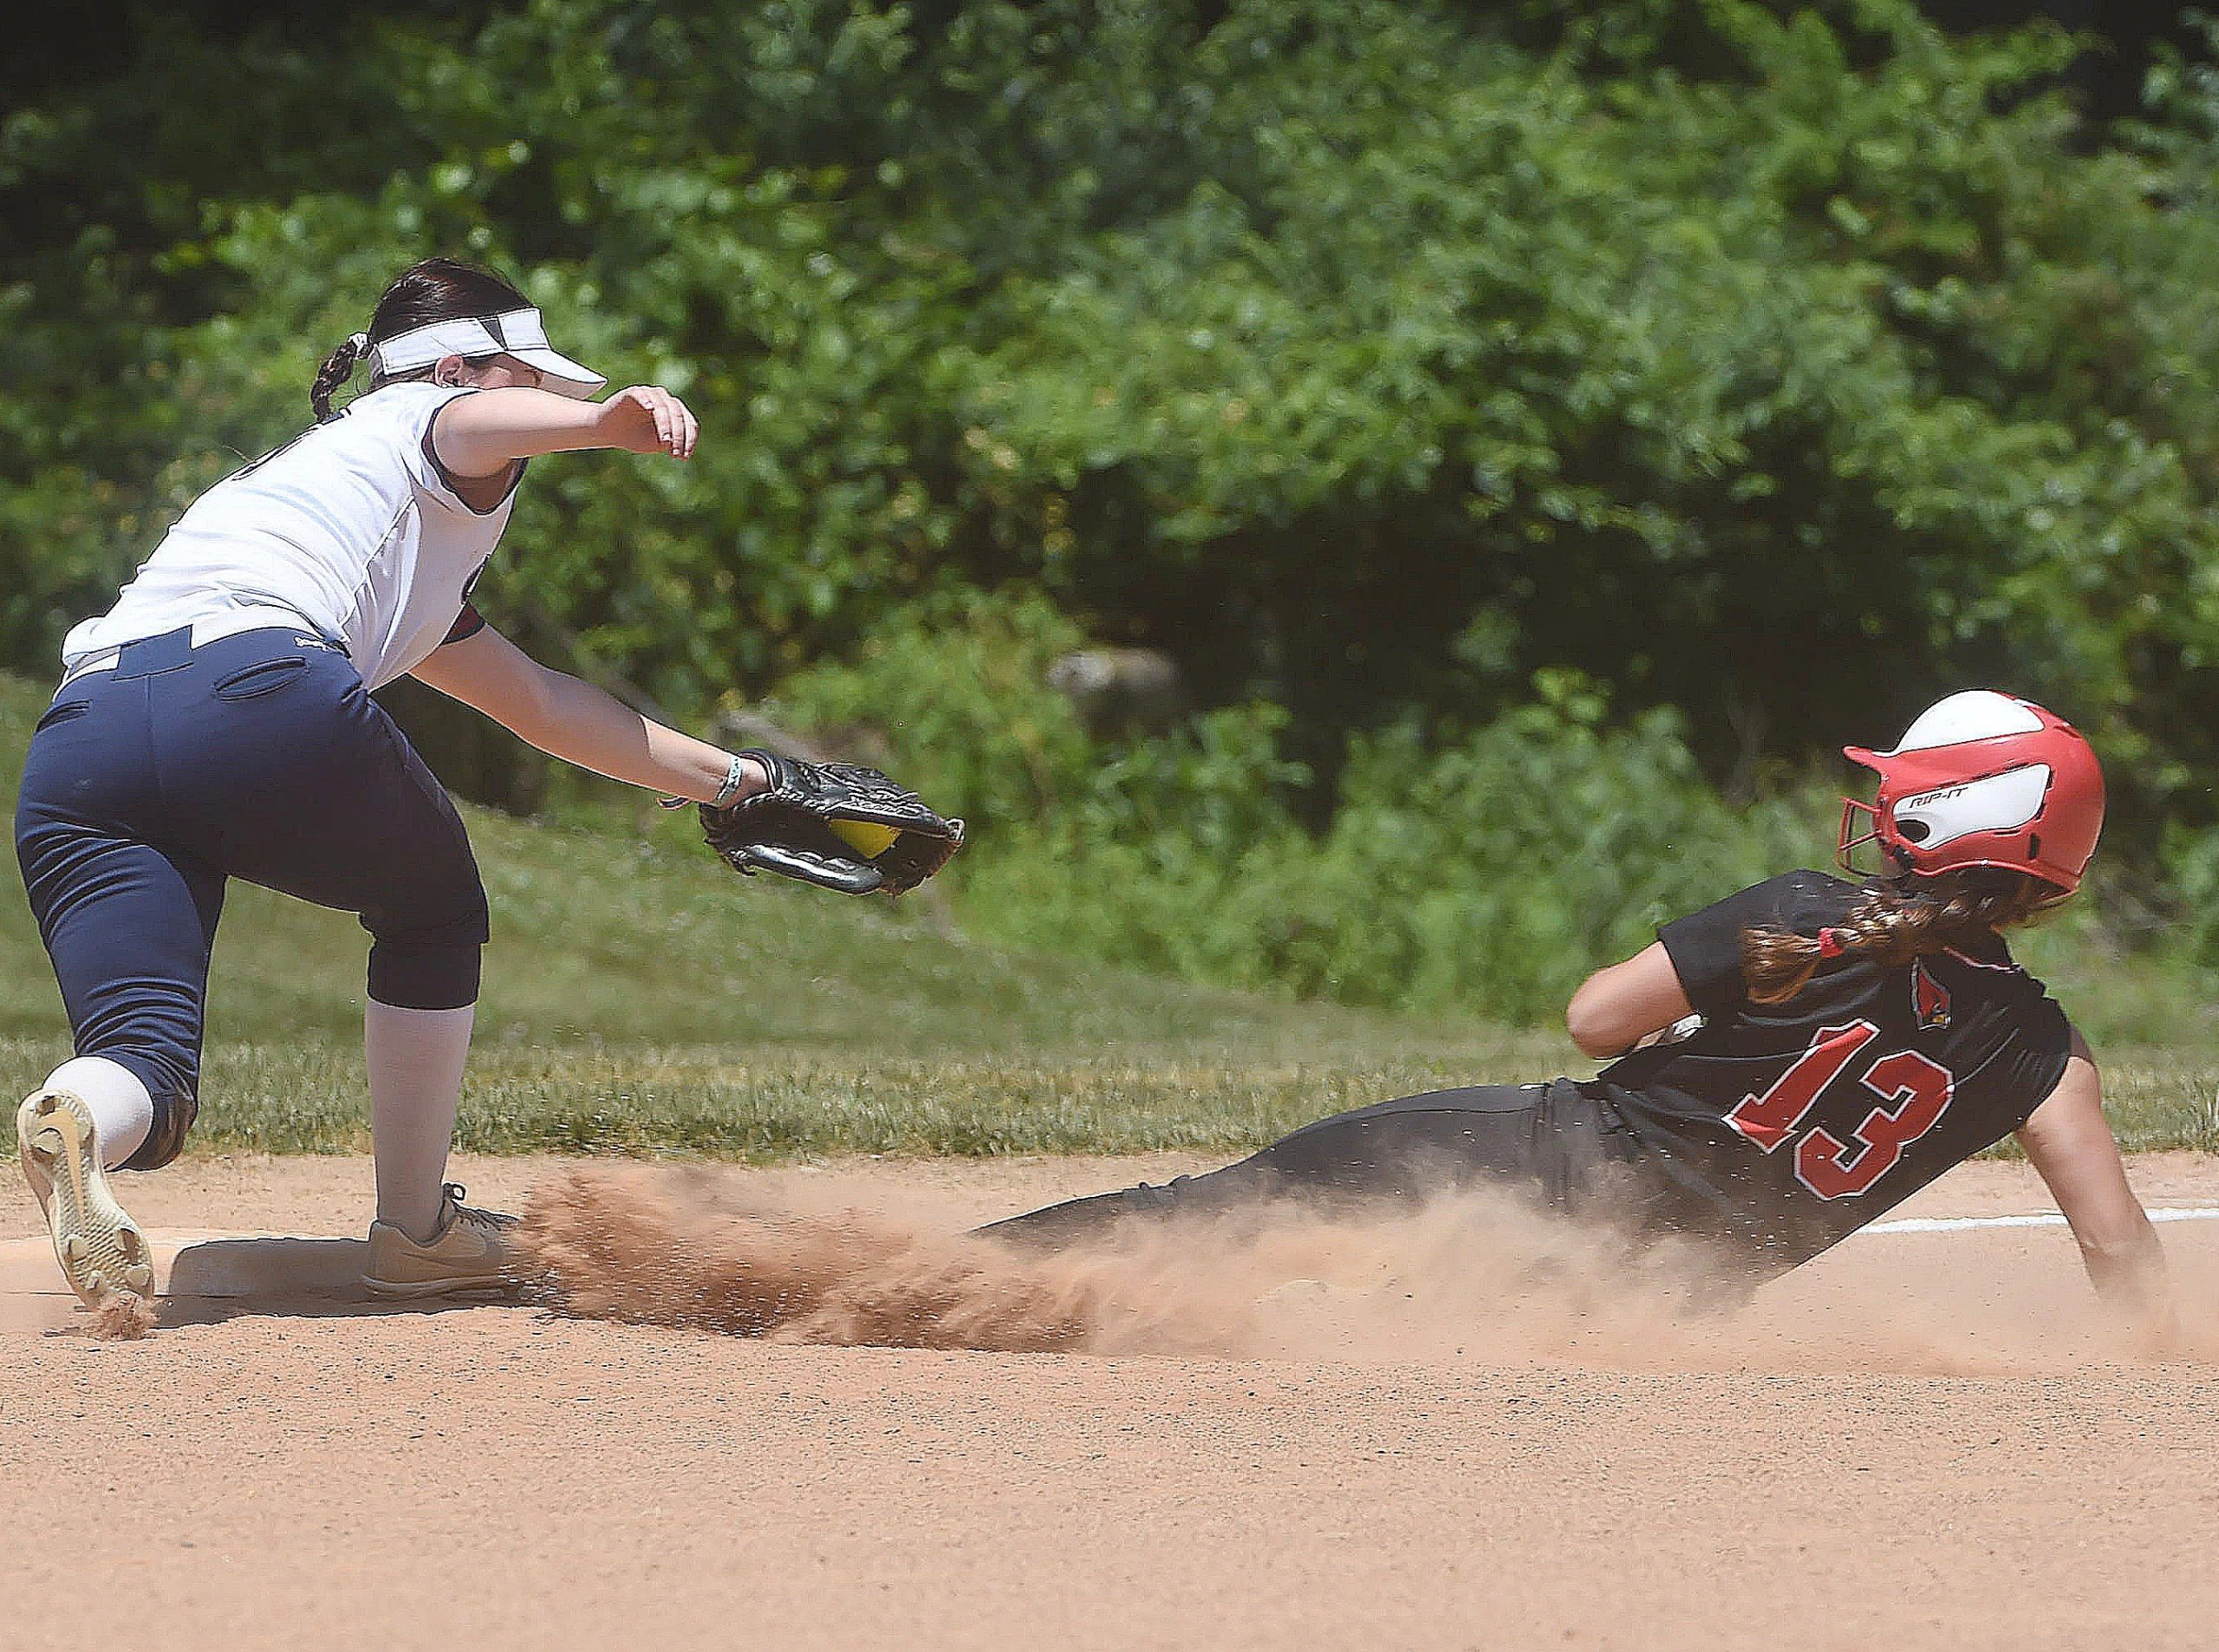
{"x":260,"y":756}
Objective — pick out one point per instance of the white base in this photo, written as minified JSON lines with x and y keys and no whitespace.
{"x":191,"y":1268}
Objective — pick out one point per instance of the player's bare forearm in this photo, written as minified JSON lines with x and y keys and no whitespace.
{"x":2069,"y":1142}
{"x":588,"y":726}
{"x":2130,"y":1278}
{"x":577,"y":722}
{"x":483,"y":434}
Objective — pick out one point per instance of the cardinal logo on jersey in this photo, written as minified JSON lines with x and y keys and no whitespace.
{"x":1929,"y":1000}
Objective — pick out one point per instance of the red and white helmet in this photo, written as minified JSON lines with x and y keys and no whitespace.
{"x":1984,"y":779}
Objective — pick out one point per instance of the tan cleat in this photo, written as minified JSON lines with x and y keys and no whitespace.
{"x":103,"y":1254}
{"x":471,"y":1256}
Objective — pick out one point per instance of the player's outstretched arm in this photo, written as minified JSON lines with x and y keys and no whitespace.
{"x":483,"y":435}
{"x":579,"y":722}
{"x":1616,"y":1007}
{"x":2069,"y":1141}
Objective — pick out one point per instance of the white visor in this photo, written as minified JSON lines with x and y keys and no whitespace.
{"x":517,"y":332}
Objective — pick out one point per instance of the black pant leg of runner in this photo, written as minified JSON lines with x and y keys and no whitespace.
{"x":1401,"y":1150}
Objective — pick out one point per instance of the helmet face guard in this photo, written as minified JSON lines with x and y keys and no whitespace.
{"x":1981,"y":779}
{"x":1856,"y":812}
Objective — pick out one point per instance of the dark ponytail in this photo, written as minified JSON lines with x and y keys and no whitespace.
{"x":1894,"y":923}
{"x":338,"y":368}
{"x":437,"y":290}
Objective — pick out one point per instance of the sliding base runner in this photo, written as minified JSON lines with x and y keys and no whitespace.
{"x":1796,"y":1059}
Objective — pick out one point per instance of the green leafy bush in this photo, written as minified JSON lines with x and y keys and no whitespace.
{"x":954,"y":688}
{"x":1485,"y":874}
{"x":1772,"y":370}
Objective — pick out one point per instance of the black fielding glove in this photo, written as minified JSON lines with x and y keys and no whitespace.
{"x":838,"y":825}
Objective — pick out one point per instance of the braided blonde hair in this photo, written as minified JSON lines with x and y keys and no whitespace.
{"x":1894,"y":923}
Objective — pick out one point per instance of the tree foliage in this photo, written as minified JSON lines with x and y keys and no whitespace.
{"x":1774,"y":369}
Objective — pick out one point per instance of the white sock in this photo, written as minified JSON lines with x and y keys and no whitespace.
{"x":415,"y":1058}
{"x":122,"y":1111}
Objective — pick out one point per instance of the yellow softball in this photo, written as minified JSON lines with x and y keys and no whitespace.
{"x":867,"y":840}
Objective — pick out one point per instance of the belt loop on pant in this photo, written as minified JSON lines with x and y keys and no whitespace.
{"x":152,"y":656}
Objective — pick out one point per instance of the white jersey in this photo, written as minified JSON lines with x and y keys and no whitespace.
{"x":351,"y":527}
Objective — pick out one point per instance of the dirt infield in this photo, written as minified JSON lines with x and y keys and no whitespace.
{"x":1926,"y":1439}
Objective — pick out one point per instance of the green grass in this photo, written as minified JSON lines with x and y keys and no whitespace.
{"x":638,"y":998}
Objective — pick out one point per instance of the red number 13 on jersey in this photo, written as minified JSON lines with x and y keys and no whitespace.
{"x":1913,"y":1093}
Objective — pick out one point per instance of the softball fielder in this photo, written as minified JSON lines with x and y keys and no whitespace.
{"x":1795,"y":1059}
{"x":216,"y":724}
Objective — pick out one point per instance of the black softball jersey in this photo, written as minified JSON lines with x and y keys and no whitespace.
{"x":1781,"y":1129}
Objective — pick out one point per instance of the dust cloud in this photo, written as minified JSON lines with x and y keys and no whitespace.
{"x":122,"y":1317}
{"x":1478,"y":1277}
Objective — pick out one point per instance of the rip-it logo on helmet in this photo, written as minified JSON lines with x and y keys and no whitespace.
{"x":520,"y":333}
{"x":1982,"y":779}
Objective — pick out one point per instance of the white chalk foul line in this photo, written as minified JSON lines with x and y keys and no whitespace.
{"x":2048,"y":1218}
